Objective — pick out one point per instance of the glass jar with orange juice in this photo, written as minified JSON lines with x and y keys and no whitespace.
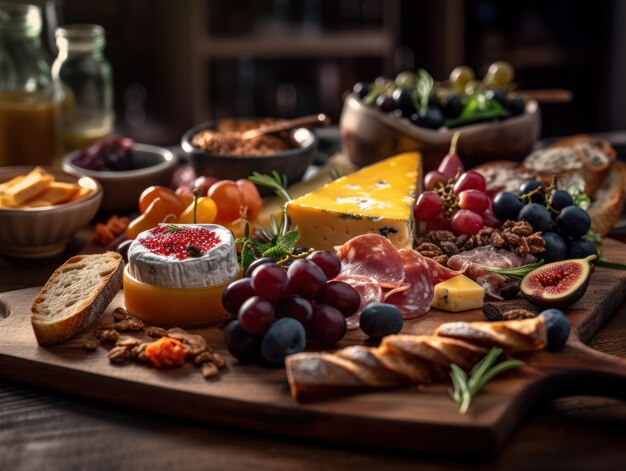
{"x":84,"y":86}
{"x":27,"y":106}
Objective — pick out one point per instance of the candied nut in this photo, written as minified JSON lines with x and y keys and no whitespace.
{"x":449,"y":248}
{"x":429,"y":248}
{"x":108,"y":335}
{"x":421,"y":240}
{"x":462,"y":240}
{"x":156,"y":332}
{"x":119,"y":314}
{"x":512,"y":314}
{"x":219,"y":360}
{"x":497,"y":240}
{"x":441,"y":259}
{"x":203,"y":357}
{"x":119,"y":354}
{"x":209,"y":370}
{"x":139,"y":352}
{"x":126,"y":341}
{"x":129,"y":325}
{"x":437,"y":237}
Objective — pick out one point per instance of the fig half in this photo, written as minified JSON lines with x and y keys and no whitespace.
{"x":558,"y":284}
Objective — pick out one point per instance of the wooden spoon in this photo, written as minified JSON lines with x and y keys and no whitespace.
{"x":316,"y":119}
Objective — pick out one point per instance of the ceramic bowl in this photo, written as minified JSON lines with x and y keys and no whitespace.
{"x":368,"y":135}
{"x":292,"y":163}
{"x":153,"y":166}
{"x":43,"y":232}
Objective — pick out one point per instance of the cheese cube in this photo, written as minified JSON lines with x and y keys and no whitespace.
{"x":458,"y":294}
{"x":376,"y":199}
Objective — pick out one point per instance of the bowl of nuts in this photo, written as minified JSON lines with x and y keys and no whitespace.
{"x":220,"y":149}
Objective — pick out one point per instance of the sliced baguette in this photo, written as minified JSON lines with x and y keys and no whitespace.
{"x":76,"y":295}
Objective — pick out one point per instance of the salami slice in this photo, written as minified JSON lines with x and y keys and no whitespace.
{"x":374,"y":256}
{"x":416,"y":300}
{"x":368,"y":288}
{"x":440,"y":273}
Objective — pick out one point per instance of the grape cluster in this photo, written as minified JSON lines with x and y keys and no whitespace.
{"x":460,"y":203}
{"x":552,"y":212}
{"x":279,"y":309}
{"x":111,"y":153}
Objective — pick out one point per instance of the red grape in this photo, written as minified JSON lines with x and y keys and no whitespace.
{"x":490,"y":219}
{"x":432,"y":178}
{"x":474,"y":200}
{"x":306,"y":279}
{"x":236,"y":294}
{"x":468,"y":222}
{"x":257,"y":263}
{"x":297,"y":308}
{"x":270,"y":281}
{"x":204,"y":183}
{"x":428,"y":206}
{"x":470,"y":180}
{"x":328,"y":324}
{"x":328,"y":262}
{"x":341,"y":296}
{"x":256,"y":315}
{"x":451,"y":164}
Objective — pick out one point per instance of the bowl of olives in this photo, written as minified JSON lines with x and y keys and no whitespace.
{"x":413,"y":112}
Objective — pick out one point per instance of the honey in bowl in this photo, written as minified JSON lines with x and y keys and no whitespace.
{"x":27,"y":129}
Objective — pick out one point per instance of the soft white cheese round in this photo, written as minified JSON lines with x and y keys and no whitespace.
{"x":213,"y":267}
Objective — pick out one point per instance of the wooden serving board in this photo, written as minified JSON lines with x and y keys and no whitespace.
{"x":257,"y":398}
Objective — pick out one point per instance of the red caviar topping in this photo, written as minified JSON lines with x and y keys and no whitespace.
{"x":180,"y":242}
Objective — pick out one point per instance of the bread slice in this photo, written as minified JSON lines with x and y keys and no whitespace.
{"x":76,"y":295}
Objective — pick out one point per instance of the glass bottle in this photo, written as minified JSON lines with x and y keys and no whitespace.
{"x":27,"y":111}
{"x":84,"y":86}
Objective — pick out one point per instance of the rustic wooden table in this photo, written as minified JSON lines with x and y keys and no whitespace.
{"x":46,"y":430}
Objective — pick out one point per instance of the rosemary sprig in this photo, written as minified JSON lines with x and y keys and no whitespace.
{"x":275,"y":181}
{"x":466,"y":387}
{"x":612,"y":265}
{"x":518,"y":272}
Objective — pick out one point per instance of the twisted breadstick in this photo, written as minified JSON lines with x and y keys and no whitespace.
{"x":406,"y":359}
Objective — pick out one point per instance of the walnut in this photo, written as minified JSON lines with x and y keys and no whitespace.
{"x":120,"y":354}
{"x":119,"y":314}
{"x":520,"y":228}
{"x":493,"y":313}
{"x":497,"y":240}
{"x":441,"y":259}
{"x":156,"y":332}
{"x":462,"y":240}
{"x":512,"y":314}
{"x":129,"y":325}
{"x":108,"y":335}
{"x":126,"y":341}
{"x":209,"y":370}
{"x":91,"y":343}
{"x":449,"y":248}
{"x":536,"y":244}
{"x":437,"y":237}
{"x":429,"y":250}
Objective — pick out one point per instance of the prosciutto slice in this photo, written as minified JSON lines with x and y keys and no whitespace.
{"x":473,"y":263}
{"x":439,"y":272}
{"x":372,"y":255}
{"x":368,"y":288}
{"x":417,"y":298}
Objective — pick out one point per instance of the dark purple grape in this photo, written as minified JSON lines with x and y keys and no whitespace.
{"x":573,"y":222}
{"x":556,"y":247}
{"x":362,"y":89}
{"x":306,"y":279}
{"x":328,"y":262}
{"x":328,"y":324}
{"x":380,"y":319}
{"x":557,"y":327}
{"x":257,"y":263}
{"x":236,"y":294}
{"x":341,"y":296}
{"x":506,"y":206}
{"x":385,"y":103}
{"x":560,"y":199}
{"x":270,"y":281}
{"x":297,"y":308}
{"x":256,"y":315}
{"x":286,"y":337}
{"x":536,"y":215}
{"x":122,"y":249}
{"x":581,"y":248}
{"x":403,"y":99}
{"x":532,"y":185}
{"x":244,"y":346}
{"x":517,"y":106}
{"x":452,"y":106}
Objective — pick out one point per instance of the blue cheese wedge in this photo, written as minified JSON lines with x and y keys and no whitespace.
{"x":184,"y":256}
{"x":376,"y":199}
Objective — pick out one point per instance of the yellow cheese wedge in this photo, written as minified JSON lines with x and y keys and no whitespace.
{"x":28,"y":188}
{"x":376,"y":199}
{"x":458,"y":294}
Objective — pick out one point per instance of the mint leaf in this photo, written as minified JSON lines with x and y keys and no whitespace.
{"x":283,"y":245}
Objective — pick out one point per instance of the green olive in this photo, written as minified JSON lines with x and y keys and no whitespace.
{"x":406,"y":79}
{"x":499,"y":74}
{"x":460,"y":76}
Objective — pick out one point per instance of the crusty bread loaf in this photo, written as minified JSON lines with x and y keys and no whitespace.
{"x":405,"y":359}
{"x":76,"y":294}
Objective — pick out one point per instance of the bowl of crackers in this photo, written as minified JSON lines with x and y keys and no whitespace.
{"x":42,"y":208}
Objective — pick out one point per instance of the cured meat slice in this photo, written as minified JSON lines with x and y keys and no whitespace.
{"x":368,"y":288}
{"x":417,"y":298}
{"x":439,"y":272}
{"x":374,"y":256}
{"x":473,"y":263}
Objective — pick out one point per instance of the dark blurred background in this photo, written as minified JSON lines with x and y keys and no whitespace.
{"x":177,"y":63}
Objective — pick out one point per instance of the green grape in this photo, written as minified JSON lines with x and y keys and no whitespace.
{"x":461,"y":76}
{"x":499,"y":74}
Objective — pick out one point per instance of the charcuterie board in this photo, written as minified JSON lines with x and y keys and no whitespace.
{"x":257,"y":398}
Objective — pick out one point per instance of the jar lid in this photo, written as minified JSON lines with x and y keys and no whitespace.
{"x":20,"y":19}
{"x":80,"y":38}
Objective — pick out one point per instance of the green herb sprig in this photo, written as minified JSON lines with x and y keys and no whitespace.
{"x":518,"y":272}
{"x":465,"y":387}
{"x":424,"y":86}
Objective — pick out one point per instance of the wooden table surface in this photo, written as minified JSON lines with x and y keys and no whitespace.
{"x":40,"y":429}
